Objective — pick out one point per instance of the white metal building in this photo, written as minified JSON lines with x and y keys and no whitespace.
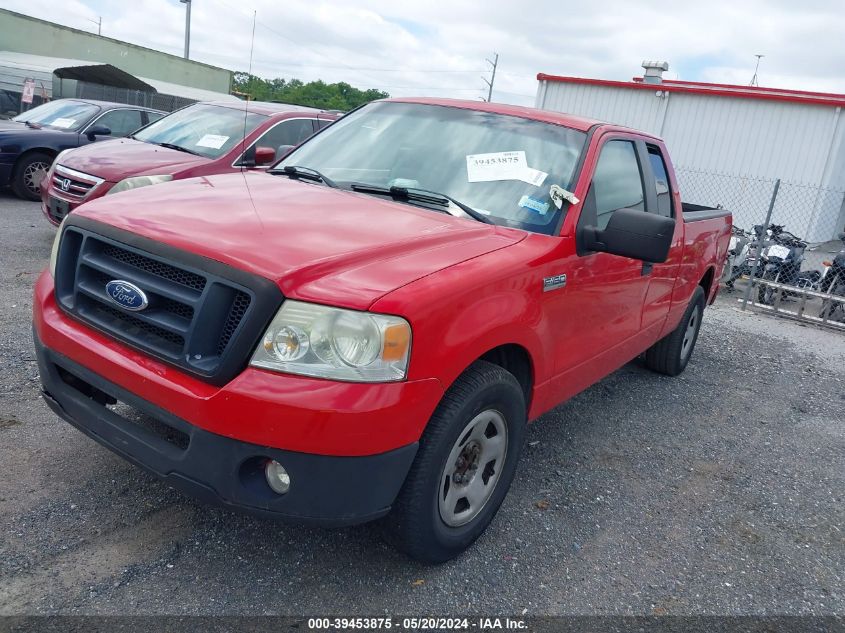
{"x":729,"y":143}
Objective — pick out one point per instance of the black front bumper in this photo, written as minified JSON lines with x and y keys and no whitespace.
{"x":324,"y":490}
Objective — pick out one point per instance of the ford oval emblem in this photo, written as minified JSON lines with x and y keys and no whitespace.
{"x":126,"y":295}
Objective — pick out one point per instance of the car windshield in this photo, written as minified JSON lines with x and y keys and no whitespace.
{"x":64,"y":114}
{"x":501,"y":166}
{"x":204,"y":129}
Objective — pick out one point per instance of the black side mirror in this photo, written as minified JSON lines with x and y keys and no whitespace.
{"x":97,"y":130}
{"x":635,"y":234}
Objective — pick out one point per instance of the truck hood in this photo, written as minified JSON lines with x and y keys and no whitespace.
{"x":116,"y":159}
{"x":318,"y":244}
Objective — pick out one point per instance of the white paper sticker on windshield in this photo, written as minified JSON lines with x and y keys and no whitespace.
{"x":63,"y":123}
{"x":214,"y":141}
{"x":496,"y":166}
{"x":533,"y":176}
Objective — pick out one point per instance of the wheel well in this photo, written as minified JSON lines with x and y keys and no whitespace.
{"x":516,"y":360}
{"x":36,"y":150}
{"x":707,"y":282}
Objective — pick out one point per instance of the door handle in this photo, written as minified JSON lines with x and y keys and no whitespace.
{"x":647,"y":268}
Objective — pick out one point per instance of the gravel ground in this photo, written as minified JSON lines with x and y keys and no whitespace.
{"x":718,"y":492}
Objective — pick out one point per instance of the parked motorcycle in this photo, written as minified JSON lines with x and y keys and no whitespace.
{"x":736,"y":262}
{"x":761,"y":237}
{"x":781,"y":262}
{"x":833,"y":282}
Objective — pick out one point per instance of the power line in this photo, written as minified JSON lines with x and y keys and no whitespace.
{"x":289,"y":39}
{"x":378,"y":70}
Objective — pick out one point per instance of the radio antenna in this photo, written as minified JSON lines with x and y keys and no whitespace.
{"x":249,"y":78}
{"x":246,"y":114}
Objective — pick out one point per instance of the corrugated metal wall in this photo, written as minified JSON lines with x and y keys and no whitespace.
{"x":716,"y":142}
{"x":764,"y":139}
{"x":639,"y":109}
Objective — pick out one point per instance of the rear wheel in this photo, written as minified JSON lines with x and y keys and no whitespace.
{"x":464,"y":467}
{"x":28,"y":174}
{"x":765,"y":293}
{"x":671,"y":354}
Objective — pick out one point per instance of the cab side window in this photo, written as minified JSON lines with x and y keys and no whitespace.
{"x":290,"y":132}
{"x":664,"y":194}
{"x":121,"y":122}
{"x":617,"y":182}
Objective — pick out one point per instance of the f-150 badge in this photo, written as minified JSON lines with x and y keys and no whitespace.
{"x":553,"y":283}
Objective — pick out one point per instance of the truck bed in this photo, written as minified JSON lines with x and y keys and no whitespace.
{"x":698,"y":212}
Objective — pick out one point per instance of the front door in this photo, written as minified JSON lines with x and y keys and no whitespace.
{"x":599,"y":314}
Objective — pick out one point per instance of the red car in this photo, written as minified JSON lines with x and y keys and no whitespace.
{"x":365,"y":330}
{"x":199,"y":140}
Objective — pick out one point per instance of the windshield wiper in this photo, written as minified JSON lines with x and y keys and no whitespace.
{"x":421,"y":195}
{"x":34,"y":126}
{"x":297,"y":171}
{"x":178,"y":148}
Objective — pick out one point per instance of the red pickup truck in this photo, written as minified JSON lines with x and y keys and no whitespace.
{"x":364,"y":330}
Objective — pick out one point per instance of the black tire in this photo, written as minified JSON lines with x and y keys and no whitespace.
{"x":829,"y":307}
{"x":416,"y":525}
{"x":25,"y":180}
{"x":765,"y":293}
{"x":670,"y":354}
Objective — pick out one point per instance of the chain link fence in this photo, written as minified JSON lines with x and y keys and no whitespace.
{"x":787,"y":252}
{"x":155,"y":100}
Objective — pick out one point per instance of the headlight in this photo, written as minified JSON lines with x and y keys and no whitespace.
{"x":316,"y":340}
{"x":54,"y":252}
{"x":139,"y":181}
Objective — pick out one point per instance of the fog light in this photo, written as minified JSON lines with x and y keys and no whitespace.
{"x":277,"y":477}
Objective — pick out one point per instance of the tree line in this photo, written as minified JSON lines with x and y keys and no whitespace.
{"x":316,"y":94}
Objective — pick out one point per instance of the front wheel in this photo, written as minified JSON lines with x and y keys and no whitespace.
{"x":464,"y":466}
{"x":28,"y":174}
{"x":671,"y":354}
{"x":829,"y":307}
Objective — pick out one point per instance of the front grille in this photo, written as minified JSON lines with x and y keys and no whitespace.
{"x":236,"y":314}
{"x":73,"y":183}
{"x":193,"y":319}
{"x":155,"y":267}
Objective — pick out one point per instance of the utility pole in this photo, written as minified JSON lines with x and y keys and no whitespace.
{"x":754,"y":81}
{"x":187,"y":4}
{"x":99,"y":24}
{"x":493,"y":64}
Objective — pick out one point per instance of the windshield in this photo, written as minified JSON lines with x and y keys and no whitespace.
{"x":501,"y":166}
{"x":204,"y":129}
{"x":64,"y":114}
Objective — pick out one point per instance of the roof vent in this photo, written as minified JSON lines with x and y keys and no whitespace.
{"x":654,"y":71}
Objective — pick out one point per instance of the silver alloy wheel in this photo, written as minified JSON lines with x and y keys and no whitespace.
{"x":473,"y":468}
{"x":33,"y":175}
{"x":689,"y":334}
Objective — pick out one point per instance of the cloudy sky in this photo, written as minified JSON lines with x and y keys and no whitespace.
{"x":438,"y":47}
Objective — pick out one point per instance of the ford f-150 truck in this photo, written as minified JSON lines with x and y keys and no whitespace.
{"x":363,"y":331}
